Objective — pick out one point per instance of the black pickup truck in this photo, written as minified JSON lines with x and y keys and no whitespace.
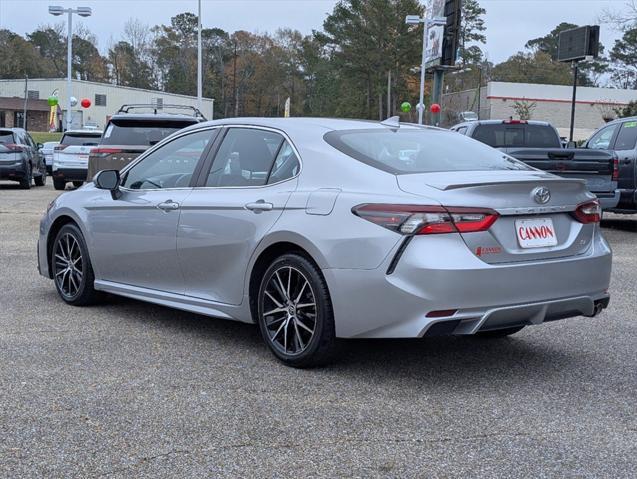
{"x":538,"y":144}
{"x":620,"y":136}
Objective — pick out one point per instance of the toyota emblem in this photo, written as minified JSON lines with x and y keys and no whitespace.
{"x":541,"y":195}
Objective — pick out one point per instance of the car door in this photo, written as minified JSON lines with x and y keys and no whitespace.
{"x":37,"y":157}
{"x":134,"y":236}
{"x":625,"y":147}
{"x":239,"y":199}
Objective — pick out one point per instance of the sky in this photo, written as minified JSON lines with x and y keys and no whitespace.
{"x":510,"y":23}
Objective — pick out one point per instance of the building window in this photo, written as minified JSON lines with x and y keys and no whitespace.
{"x":33,"y":95}
{"x":100,"y":100}
{"x":18,"y":119}
{"x":159,"y":102}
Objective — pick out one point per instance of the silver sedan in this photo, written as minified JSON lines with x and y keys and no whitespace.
{"x":317,"y":229}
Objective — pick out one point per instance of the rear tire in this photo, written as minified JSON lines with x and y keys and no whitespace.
{"x":295,"y":313}
{"x":25,"y":183}
{"x":499,"y":333}
{"x":77,"y":184}
{"x":72,"y":270}
{"x":59,"y":184}
{"x":40,"y":180}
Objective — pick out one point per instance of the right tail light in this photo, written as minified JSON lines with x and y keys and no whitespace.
{"x":590,"y":212}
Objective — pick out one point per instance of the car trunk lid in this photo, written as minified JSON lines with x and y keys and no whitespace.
{"x":514,"y":196}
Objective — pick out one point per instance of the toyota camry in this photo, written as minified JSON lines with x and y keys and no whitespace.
{"x":317,"y":229}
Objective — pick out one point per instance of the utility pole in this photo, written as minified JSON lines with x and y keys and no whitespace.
{"x":389,"y":111}
{"x":26,"y":98}
{"x":235,"y":93}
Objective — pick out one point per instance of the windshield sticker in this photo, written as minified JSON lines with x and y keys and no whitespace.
{"x":630,"y":124}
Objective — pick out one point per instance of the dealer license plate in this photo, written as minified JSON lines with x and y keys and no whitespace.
{"x":535,"y":233}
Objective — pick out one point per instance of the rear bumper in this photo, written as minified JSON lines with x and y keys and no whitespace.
{"x":608,"y":200}
{"x":441,"y":273}
{"x":12,"y":172}
{"x":70,"y":174}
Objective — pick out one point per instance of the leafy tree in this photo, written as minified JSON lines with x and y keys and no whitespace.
{"x":364,"y":40}
{"x":536,"y":67}
{"x":471,"y":32}
{"x":51,"y":44}
{"x":628,"y":110}
{"x":524,"y":109}
{"x":624,"y":56}
{"x":19,"y":57}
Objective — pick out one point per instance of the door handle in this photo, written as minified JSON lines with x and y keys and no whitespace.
{"x":259,"y":206}
{"x":169,"y":205}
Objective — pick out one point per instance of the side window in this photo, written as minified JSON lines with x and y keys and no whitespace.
{"x":30,"y":142}
{"x":601,"y":139}
{"x":286,"y":165}
{"x":627,"y":137}
{"x":462,"y":130}
{"x":245,"y":158}
{"x":172,"y":165}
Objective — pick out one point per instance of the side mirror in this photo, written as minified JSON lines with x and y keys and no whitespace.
{"x":40,"y":146}
{"x":108,"y":180}
{"x":571,"y":144}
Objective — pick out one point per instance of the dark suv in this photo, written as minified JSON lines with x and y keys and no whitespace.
{"x":134,"y":129}
{"x":20,"y":159}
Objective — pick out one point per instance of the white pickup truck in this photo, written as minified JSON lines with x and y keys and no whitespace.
{"x":70,"y":157}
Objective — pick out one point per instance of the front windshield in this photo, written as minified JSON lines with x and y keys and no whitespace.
{"x":407,"y":151}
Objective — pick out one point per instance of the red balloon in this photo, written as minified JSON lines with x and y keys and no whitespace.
{"x":85,"y":103}
{"x":435,"y":108}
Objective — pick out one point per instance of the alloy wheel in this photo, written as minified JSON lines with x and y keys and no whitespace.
{"x":69,"y":265}
{"x":288,"y":309}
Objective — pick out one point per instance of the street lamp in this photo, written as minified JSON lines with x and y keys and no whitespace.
{"x":427,"y":23}
{"x":82,"y":12}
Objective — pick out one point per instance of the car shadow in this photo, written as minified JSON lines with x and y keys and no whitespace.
{"x":427,"y":362}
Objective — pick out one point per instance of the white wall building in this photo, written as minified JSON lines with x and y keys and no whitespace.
{"x":105,"y":98}
{"x":552,"y":103}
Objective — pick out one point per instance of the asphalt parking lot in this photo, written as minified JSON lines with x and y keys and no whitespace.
{"x":128,"y":389}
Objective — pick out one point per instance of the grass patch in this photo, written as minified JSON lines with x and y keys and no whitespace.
{"x":44,"y":136}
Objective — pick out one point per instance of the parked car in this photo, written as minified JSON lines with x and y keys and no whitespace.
{"x":132,"y":131}
{"x":47,"y":152}
{"x":620,"y":137}
{"x":70,"y":157}
{"x":323,"y":228}
{"x":20,"y":159}
{"x":538,"y":144}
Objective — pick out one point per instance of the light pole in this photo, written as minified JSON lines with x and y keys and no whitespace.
{"x":427,"y":23}
{"x":199,"y":66}
{"x":82,"y":12}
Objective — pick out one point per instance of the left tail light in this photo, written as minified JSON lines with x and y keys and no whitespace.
{"x":590,"y":212}
{"x":426,"y":220}
{"x":103,"y":152}
{"x":14,"y":148}
{"x":60,"y":147}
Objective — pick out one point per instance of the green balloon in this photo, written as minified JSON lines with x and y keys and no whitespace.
{"x":405,"y":107}
{"x":52,"y":101}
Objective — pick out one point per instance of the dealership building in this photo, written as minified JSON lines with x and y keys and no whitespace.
{"x":552,"y":103}
{"x":105,"y":100}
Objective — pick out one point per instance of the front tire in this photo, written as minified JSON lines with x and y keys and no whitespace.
{"x":295,"y":313}
{"x":59,"y":184}
{"x":72,"y":269}
{"x":40,"y":180}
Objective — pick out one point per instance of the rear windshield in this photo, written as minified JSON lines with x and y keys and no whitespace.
{"x":80,"y":139}
{"x":136,"y":132}
{"x":420,"y":151}
{"x":517,"y":136}
{"x":6,"y":137}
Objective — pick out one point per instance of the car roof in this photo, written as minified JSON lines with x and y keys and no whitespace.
{"x":155,"y":116}
{"x":13,"y":129}
{"x":306,"y":123}
{"x":84,"y":132}
{"x":499,"y":122}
